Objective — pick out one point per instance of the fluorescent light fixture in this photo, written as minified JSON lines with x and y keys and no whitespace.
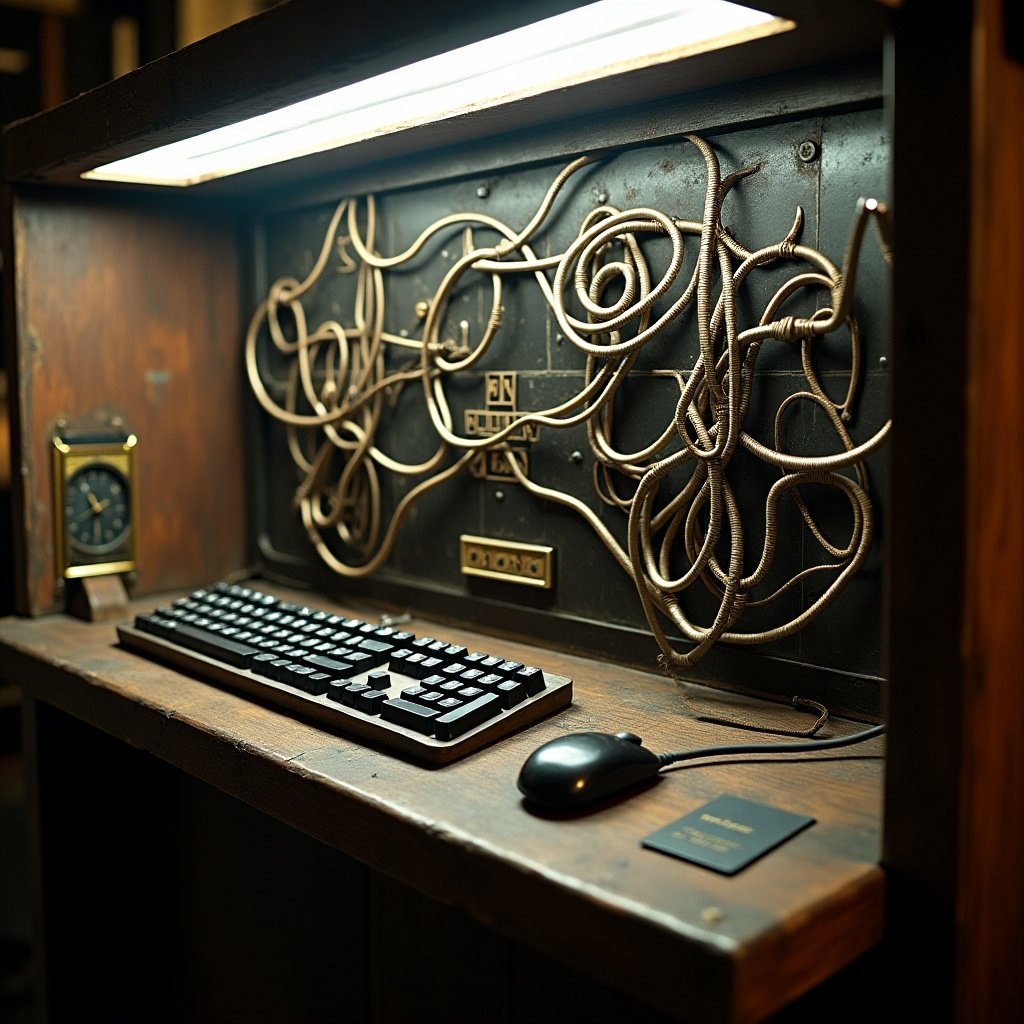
{"x":582,"y":45}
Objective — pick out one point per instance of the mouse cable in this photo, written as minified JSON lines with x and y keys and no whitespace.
{"x":771,"y":748}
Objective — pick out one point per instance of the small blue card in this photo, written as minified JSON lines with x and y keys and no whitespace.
{"x":727,"y":834}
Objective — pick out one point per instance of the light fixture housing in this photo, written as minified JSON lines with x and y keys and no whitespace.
{"x":595,"y":41}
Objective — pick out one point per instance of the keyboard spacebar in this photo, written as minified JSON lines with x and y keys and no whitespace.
{"x":231,"y":652}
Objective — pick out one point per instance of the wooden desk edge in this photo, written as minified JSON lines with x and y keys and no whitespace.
{"x":723,"y":981}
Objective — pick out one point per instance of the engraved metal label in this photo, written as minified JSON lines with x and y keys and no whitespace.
{"x":500,"y":410}
{"x":507,"y":560}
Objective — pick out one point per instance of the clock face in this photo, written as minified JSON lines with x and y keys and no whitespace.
{"x":97,"y":514}
{"x":94,"y":508}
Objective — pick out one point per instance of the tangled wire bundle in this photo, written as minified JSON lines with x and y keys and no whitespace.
{"x":682,"y":519}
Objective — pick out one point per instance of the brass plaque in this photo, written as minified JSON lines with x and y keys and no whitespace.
{"x":528,"y":564}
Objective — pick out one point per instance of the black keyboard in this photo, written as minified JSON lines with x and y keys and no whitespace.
{"x":421,"y":697}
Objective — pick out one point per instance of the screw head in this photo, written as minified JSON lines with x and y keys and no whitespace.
{"x":482,"y":191}
{"x":808,"y":151}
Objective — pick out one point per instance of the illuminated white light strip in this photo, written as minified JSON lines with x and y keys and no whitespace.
{"x":581,"y":45}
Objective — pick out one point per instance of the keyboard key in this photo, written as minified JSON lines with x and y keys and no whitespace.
{"x":352,"y":691}
{"x":437,"y":648}
{"x":412,"y":716}
{"x":431,"y":666}
{"x":533,"y":677}
{"x":469,"y":716}
{"x":158,"y":625}
{"x":325,"y":664}
{"x":413,"y":665}
{"x":295,"y":675}
{"x":317,"y":683}
{"x":397,"y":660}
{"x":276,"y":668}
{"x":388,"y":635}
{"x":370,"y":701}
{"x":360,"y":661}
{"x":336,"y":689}
{"x":261,"y":663}
{"x":379,"y":650}
{"x":511,"y":693}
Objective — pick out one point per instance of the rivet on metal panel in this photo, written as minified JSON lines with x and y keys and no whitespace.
{"x":808,"y":151}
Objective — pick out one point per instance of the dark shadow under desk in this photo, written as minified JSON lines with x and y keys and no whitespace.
{"x":683,"y":940}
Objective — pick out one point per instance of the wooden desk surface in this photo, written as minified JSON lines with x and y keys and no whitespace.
{"x":697,"y":944}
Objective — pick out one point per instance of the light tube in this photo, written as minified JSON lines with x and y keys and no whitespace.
{"x":585,"y":44}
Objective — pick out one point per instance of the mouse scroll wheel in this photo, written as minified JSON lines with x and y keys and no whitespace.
{"x":632,"y":737}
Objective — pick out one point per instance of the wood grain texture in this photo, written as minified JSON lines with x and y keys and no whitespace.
{"x":741,"y":947}
{"x":991,"y":900}
{"x":132,"y":313}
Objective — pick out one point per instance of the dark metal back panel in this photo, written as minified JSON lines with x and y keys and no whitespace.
{"x":821,"y":161}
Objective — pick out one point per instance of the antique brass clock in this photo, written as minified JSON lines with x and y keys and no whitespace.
{"x":94,"y":506}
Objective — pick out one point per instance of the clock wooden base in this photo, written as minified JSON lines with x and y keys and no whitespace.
{"x":97,"y":598}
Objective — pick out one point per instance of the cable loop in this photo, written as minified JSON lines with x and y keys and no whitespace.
{"x":630,"y":280}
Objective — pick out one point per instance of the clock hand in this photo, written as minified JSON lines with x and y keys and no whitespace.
{"x":93,"y":503}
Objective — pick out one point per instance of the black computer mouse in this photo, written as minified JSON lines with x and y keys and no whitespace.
{"x":581,"y":768}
